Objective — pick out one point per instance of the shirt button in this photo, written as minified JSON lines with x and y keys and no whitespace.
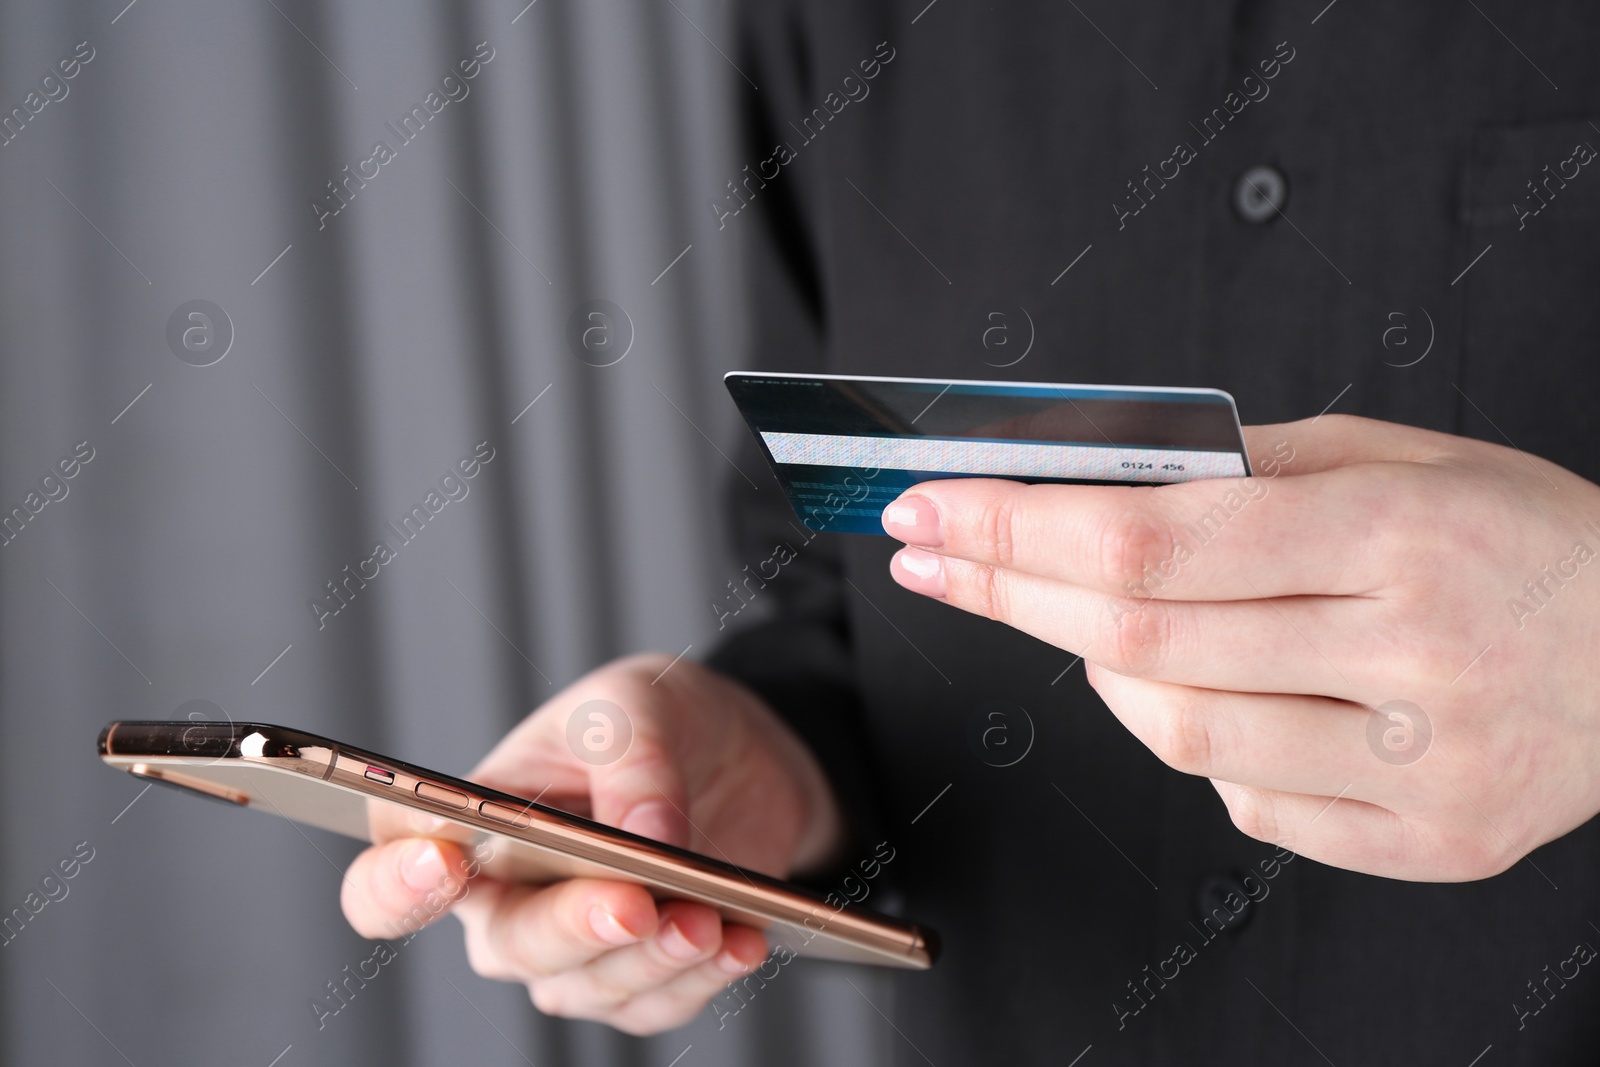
{"x":1260,"y":193}
{"x":1221,"y":903}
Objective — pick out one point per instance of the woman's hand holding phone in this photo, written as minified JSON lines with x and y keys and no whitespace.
{"x":706,"y":766}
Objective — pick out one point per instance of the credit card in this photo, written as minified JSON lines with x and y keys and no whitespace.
{"x":845,"y":446}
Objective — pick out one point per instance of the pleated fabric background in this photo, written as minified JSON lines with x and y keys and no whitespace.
{"x":362,"y":354}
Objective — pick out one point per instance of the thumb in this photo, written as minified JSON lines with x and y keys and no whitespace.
{"x":636,"y":777}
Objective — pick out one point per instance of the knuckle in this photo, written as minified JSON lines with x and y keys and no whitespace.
{"x":1473,"y":855}
{"x":643,"y":1022}
{"x":634,"y":1026}
{"x":483,"y":963}
{"x":523,"y":939}
{"x":1132,"y":544}
{"x":484,"y":960}
{"x":984,"y":590}
{"x":1400,"y":845}
{"x":997,"y":528}
{"x":1497,"y":857}
{"x":1095,"y":675}
{"x":636,"y":681}
{"x":640,"y":666}
{"x":1398,"y":520}
{"x":548,"y":997}
{"x":605,"y":994}
{"x":357,"y":911}
{"x":526,"y":957}
{"x":580,"y":995}
{"x":1186,"y":739}
{"x":1438,"y":649}
{"x":1139,"y":638}
{"x":1439,"y":658}
{"x":649,"y":757}
{"x":569,"y":927}
{"x":1254,"y":815}
{"x":996,"y":592}
{"x":1341,"y":426}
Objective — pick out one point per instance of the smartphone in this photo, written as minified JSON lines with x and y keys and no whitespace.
{"x":360,"y":794}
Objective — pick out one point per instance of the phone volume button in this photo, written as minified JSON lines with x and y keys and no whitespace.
{"x":450,"y":798}
{"x":501,"y":813}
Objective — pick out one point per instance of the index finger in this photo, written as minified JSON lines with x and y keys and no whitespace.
{"x":1319,"y":533}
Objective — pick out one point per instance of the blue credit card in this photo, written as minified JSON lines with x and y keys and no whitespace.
{"x":844,"y":446}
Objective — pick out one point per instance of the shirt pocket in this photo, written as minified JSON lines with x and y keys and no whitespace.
{"x":1529,"y":221}
{"x":1534,"y":173}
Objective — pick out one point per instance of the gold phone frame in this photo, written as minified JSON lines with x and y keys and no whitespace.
{"x":338,"y":787}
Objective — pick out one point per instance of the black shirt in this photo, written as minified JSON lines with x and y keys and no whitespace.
{"x":1082,"y":180}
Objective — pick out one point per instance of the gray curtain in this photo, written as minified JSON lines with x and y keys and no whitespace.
{"x":225,"y":467}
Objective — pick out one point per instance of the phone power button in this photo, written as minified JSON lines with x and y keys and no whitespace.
{"x":450,"y":798}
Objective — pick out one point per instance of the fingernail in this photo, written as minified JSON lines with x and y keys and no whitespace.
{"x":919,"y":571}
{"x":608,"y":928}
{"x":674,"y":944}
{"x":422,"y":866}
{"x":914,"y":520}
{"x":656,"y":820}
